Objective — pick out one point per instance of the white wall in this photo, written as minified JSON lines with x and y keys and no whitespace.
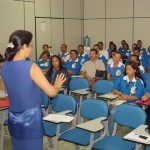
{"x":62,"y":19}
{"x":116,"y":20}
{"x":67,"y":21}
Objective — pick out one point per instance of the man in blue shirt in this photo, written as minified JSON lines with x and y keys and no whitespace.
{"x":64,"y":55}
{"x":83,"y":57}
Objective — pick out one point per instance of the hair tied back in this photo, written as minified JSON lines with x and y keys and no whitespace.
{"x":10,"y":45}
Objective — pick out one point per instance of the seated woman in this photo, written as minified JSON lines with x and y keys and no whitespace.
{"x":44,"y":62}
{"x":129,"y":87}
{"x":136,"y":59}
{"x":56,"y":69}
{"x":73,"y":65}
{"x":116,"y":68}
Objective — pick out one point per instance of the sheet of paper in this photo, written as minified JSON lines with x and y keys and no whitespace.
{"x":108,"y":95}
{"x":135,"y":137}
{"x":58,"y":118}
{"x":117,"y":102}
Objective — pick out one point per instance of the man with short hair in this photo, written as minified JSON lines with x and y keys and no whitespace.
{"x":64,"y":55}
{"x":89,"y":68}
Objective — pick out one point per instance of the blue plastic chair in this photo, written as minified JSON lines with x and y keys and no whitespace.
{"x":60,"y":103}
{"x":126,"y":115}
{"x":44,"y":103}
{"x":78,"y":83}
{"x":147,"y":148}
{"x":103,"y":87}
{"x":146,"y":75}
{"x":90,"y":109}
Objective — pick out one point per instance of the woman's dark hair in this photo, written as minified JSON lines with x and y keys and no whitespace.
{"x":1,"y":58}
{"x":74,"y":51}
{"x":16,"y":41}
{"x":137,"y":58}
{"x":47,"y":53}
{"x":115,"y":47}
{"x":126,"y":45}
{"x":49,"y":73}
{"x":137,"y":73}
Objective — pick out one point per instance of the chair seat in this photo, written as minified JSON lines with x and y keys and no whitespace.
{"x":78,"y":136}
{"x":114,"y":143}
{"x":50,"y":128}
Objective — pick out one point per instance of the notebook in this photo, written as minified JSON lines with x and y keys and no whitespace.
{"x":147,"y":102}
{"x":4,"y":103}
{"x":58,"y":118}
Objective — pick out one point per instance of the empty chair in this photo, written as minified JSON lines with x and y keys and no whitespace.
{"x":78,"y":83}
{"x":90,"y":109}
{"x":60,"y":103}
{"x":126,"y":115}
{"x":102,"y":87}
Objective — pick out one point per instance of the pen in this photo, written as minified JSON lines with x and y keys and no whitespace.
{"x":141,"y":136}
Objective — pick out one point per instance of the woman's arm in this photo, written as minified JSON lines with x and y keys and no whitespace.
{"x":38,"y":77}
{"x":108,"y":76}
{"x":145,"y":97}
{"x":2,"y":85}
{"x":124,"y":96}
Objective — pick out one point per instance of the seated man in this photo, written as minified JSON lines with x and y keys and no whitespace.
{"x":83,"y":57}
{"x":45,"y":49}
{"x":44,"y":62}
{"x":89,"y":68}
{"x":64,"y":55}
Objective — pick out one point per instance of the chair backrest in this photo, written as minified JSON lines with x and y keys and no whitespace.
{"x":146,"y":75}
{"x":130,"y":116}
{"x":63,"y":102}
{"x":44,"y":99}
{"x":78,"y":83}
{"x":103,"y":86}
{"x":92,"y":109}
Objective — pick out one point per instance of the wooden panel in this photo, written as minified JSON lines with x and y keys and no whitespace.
{"x":94,"y":9}
{"x":95,"y":29}
{"x":72,"y":33}
{"x":141,"y":31}
{"x":119,"y":8}
{"x":141,"y":8}
{"x":12,"y":18}
{"x":57,"y":8}
{"x":57,"y":35}
{"x":43,"y":37}
{"x":117,"y":30}
{"x":72,"y":9}
{"x":42,"y":8}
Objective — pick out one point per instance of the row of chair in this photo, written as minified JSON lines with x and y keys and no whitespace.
{"x":126,"y":115}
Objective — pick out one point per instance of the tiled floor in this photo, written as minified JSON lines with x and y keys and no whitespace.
{"x":62,"y":144}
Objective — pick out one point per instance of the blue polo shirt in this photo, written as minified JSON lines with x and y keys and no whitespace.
{"x":133,"y":88}
{"x":83,"y":58}
{"x":73,"y":66}
{"x":115,"y":72}
{"x":103,"y":59}
{"x":43,"y":65}
{"x":124,"y":53}
{"x":63,"y":56}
